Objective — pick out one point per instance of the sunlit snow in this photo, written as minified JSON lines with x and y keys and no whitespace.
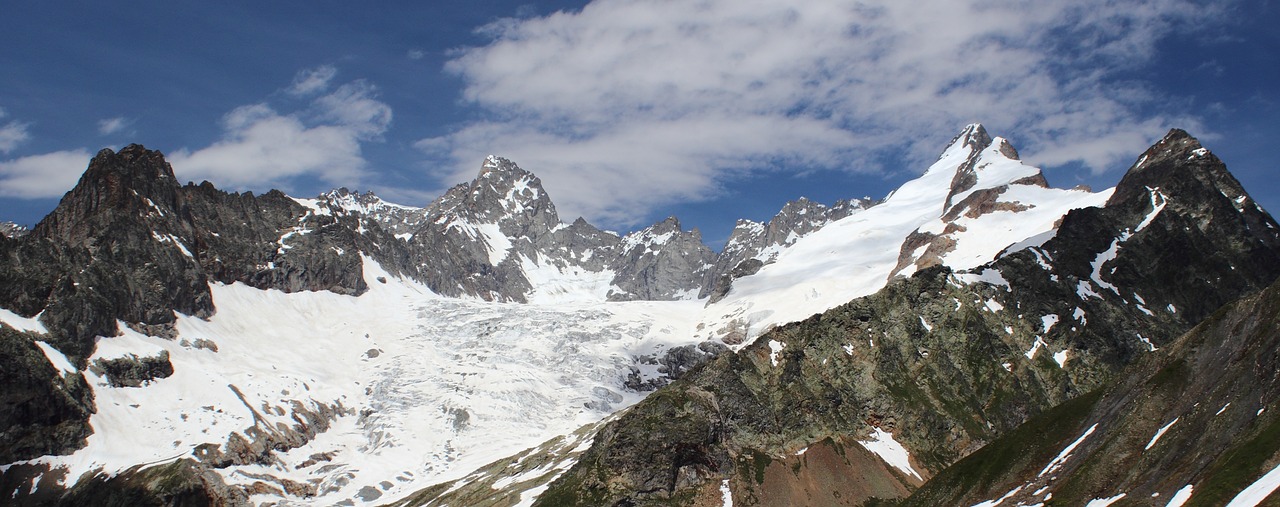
{"x":1258,"y":491}
{"x":1160,"y":433}
{"x":882,"y":444}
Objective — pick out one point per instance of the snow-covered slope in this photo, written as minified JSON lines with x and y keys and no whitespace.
{"x":857,"y":255}
{"x":399,"y":388}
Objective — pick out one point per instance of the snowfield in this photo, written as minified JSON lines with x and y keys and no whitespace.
{"x":424,"y":389}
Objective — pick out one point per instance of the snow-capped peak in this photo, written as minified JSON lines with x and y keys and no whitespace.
{"x":972,"y":138}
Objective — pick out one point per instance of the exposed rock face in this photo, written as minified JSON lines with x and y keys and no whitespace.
{"x":45,"y":412}
{"x":945,"y":362}
{"x":480,"y":238}
{"x":466,"y":240}
{"x":134,"y":371}
{"x":661,"y":262}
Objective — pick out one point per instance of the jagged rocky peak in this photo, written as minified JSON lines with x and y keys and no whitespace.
{"x":134,"y":182}
{"x":350,"y":199}
{"x":503,"y":194}
{"x":518,"y":190}
{"x":662,"y":262}
{"x":1178,"y":163}
{"x":973,"y":136}
{"x":397,"y":219}
{"x":985,"y":152}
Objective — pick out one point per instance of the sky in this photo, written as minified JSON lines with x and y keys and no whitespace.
{"x":628,"y":110}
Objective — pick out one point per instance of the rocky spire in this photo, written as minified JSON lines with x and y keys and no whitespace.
{"x":135,"y":182}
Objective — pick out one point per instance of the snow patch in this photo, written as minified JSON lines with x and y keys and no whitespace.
{"x":1048,"y":321}
{"x":1258,"y":491}
{"x":1063,"y":456}
{"x":24,"y":324}
{"x":726,"y":496}
{"x":994,"y":503}
{"x":882,"y":444}
{"x":1035,"y":347}
{"x":988,"y":276}
{"x":1160,"y":433}
{"x":775,"y":348}
{"x":56,"y":358}
{"x":497,"y":242}
{"x":1060,"y":357}
{"x":1180,"y":497}
{"x":1158,"y":202}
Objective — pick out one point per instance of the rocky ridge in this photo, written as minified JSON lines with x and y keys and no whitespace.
{"x":943,"y":362}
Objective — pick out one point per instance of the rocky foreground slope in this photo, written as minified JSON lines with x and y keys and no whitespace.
{"x":175,"y":344}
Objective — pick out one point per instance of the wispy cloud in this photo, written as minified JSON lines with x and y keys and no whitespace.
{"x":113,"y":125}
{"x":629,"y":105}
{"x":416,"y":54}
{"x":12,"y":134}
{"x":262,"y":147}
{"x":309,"y":81}
{"x":42,"y":176}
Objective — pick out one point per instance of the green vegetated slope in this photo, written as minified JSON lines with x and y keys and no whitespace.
{"x":1209,"y":396}
{"x":946,"y":362}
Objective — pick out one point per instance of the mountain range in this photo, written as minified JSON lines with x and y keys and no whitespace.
{"x":977,"y":337}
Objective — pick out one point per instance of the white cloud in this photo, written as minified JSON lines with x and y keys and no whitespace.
{"x":654,"y":101}
{"x":416,"y":54}
{"x":262,"y":147}
{"x":12,"y":134}
{"x":354,"y":106}
{"x":42,"y":176}
{"x":309,"y":81}
{"x":113,"y":125}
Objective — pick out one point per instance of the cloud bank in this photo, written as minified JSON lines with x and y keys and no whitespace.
{"x":629,"y":105}
{"x":262,"y":147}
{"x":42,"y":176}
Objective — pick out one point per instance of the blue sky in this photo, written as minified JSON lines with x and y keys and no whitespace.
{"x":629,"y":110}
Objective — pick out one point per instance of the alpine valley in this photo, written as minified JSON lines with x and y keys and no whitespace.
{"x":977,"y":337}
